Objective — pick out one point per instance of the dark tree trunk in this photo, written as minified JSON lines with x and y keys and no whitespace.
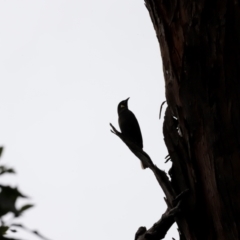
{"x":200,"y":47}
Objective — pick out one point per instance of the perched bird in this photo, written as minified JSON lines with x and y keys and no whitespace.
{"x":129,"y":125}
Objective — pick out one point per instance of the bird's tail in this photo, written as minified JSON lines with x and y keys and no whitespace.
{"x":144,"y":166}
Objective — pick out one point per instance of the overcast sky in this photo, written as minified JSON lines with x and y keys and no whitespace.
{"x":64,"y":67}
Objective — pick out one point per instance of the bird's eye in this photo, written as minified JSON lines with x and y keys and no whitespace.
{"x":122,"y":106}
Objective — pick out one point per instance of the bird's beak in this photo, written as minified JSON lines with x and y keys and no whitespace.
{"x":127,"y":99}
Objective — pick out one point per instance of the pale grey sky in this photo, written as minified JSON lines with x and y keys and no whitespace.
{"x":64,"y":67}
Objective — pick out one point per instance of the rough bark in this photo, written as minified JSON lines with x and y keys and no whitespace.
{"x":200,"y":47}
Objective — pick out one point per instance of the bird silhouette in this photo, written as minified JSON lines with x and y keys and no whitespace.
{"x":129,"y":125}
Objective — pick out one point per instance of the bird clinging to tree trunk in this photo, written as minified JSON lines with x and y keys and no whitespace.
{"x":129,"y":125}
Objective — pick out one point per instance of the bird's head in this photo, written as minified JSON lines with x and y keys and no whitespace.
{"x":122,"y":106}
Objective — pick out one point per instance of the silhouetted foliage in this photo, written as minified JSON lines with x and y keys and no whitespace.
{"x":8,"y":198}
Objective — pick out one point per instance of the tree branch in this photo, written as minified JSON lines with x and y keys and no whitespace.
{"x":161,"y":227}
{"x":160,"y":175}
